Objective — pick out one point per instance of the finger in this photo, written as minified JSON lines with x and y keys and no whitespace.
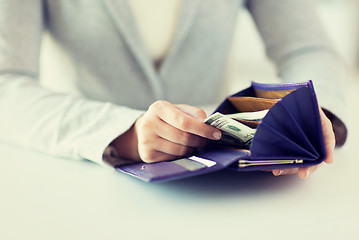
{"x":175,"y":135}
{"x":150,"y":142}
{"x":156,"y":156}
{"x":304,"y":172}
{"x":314,"y":168}
{"x":329,"y":137}
{"x":178,"y":119}
{"x":148,"y":149}
{"x":329,"y":142}
{"x":192,"y":111}
{"x":175,"y":149}
{"x":278,"y":172}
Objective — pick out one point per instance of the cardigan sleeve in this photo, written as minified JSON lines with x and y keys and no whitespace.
{"x":301,"y":50}
{"x":37,"y":118}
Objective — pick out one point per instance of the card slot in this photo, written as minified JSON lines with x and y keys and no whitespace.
{"x":190,"y":164}
{"x":280,"y":117}
{"x":268,"y":143}
{"x":274,"y":90}
{"x":272,"y":94}
{"x":251,"y":104}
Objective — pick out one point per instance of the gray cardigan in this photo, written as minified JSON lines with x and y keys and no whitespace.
{"x":115,"y":72}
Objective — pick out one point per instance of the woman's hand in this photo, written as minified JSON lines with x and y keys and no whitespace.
{"x":165,"y":132}
{"x":329,"y":141}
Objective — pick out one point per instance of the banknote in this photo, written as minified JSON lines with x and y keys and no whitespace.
{"x":233,"y":133}
{"x":249,"y":116}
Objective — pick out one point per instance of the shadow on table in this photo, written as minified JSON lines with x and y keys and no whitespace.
{"x":227,"y":182}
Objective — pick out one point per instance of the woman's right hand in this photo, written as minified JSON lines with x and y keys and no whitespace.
{"x":166,"y":132}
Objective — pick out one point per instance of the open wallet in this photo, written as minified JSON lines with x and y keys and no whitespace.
{"x":290,"y":135}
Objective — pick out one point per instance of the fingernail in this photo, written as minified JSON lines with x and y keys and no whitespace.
{"x":216,"y":135}
{"x":278,"y":172}
{"x":308,"y":173}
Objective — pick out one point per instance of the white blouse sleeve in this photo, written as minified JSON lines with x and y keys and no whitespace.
{"x":297,"y":43}
{"x":39,"y":119}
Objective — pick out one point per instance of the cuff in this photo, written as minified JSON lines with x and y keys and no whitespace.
{"x":112,"y":159}
{"x":113,"y":122}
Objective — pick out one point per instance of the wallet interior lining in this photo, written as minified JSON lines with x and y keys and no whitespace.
{"x":251,"y":104}
{"x":277,"y":94}
{"x":263,"y":100}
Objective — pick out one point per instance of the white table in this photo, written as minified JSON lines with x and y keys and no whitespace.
{"x":44,"y":197}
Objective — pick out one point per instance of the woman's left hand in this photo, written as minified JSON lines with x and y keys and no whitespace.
{"x":329,"y":141}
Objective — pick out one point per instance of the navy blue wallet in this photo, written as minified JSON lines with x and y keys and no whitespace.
{"x":289,"y":136}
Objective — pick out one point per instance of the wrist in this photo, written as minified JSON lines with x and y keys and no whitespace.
{"x":126,"y":144}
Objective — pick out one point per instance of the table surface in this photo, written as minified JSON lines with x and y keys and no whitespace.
{"x":45,"y":197}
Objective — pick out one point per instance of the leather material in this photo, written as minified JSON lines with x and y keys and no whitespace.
{"x":252,"y":104}
{"x":291,"y":130}
{"x":275,"y":94}
{"x":165,"y":171}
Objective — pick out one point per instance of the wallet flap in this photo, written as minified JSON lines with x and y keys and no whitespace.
{"x":291,"y":130}
{"x":205,"y":161}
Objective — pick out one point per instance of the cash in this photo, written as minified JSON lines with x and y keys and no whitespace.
{"x":233,"y":133}
{"x":249,"y":116}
